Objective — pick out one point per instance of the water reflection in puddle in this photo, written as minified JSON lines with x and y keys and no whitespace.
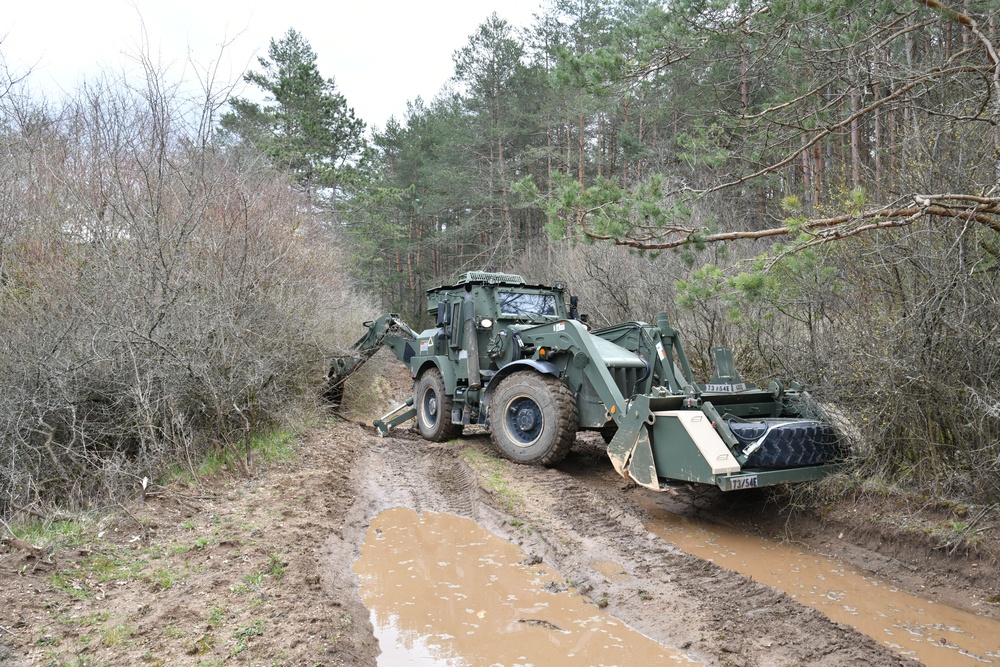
{"x":934,"y":633}
{"x":443,"y":591}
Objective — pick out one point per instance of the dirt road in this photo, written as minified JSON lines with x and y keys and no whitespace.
{"x":259,"y":570}
{"x":578,"y":514}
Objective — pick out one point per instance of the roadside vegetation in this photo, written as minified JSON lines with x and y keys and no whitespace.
{"x":166,"y":305}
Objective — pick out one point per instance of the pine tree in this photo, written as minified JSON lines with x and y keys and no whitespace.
{"x":305,"y":126}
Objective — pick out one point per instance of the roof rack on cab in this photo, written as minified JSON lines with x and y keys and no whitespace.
{"x":485,"y":277}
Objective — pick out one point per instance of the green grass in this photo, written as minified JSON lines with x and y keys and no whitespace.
{"x":78,"y":661}
{"x":952,"y":534}
{"x":251,"y":582}
{"x":277,"y":446}
{"x":254,"y":579}
{"x":276,"y":566}
{"x":493,"y":473}
{"x":62,"y":581}
{"x":216,"y":616}
{"x":179,"y":549}
{"x":117,"y":635}
{"x":118,"y":564}
{"x":214,"y":462}
{"x":155,"y":552}
{"x":55,"y":534}
{"x":273,"y":447}
{"x":89,"y":619}
{"x":244,"y":635}
{"x":162,"y":578}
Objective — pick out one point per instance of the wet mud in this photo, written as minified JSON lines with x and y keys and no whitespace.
{"x":577,"y":524}
{"x":445,"y":591}
{"x":267,"y":576}
{"x":938,"y":635}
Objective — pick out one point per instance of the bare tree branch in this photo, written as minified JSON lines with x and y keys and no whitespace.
{"x":982,"y":210}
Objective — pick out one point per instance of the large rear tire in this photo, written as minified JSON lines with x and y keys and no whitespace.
{"x":533,"y":418}
{"x":433,"y":406}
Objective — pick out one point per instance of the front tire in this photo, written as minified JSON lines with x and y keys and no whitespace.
{"x":533,"y":418}
{"x":433,"y":406}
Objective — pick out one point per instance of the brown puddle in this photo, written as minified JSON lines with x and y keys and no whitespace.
{"x":443,"y":590}
{"x":934,"y":633}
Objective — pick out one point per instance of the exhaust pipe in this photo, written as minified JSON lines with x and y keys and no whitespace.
{"x":471,"y":340}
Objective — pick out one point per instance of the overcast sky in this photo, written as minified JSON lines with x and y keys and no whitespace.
{"x":381,"y":53}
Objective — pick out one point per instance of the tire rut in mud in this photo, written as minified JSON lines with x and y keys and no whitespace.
{"x":578,"y":517}
{"x":419,"y":475}
{"x":734,"y":620}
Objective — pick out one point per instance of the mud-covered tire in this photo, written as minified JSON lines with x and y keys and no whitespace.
{"x":433,"y":406}
{"x":533,"y":418}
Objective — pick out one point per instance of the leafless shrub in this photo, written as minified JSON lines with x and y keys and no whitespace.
{"x":899,"y":331}
{"x":614,"y":285}
{"x":617,"y":284}
{"x":159,"y":296}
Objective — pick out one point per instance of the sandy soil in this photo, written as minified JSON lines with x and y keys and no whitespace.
{"x":257,"y":570}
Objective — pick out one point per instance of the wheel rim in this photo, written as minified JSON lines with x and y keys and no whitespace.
{"x":430,"y":407}
{"x":523,"y":421}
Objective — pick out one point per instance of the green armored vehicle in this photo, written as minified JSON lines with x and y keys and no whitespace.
{"x":517,"y":359}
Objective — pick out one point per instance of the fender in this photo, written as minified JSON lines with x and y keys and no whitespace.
{"x":545,"y":367}
{"x":444,"y":366}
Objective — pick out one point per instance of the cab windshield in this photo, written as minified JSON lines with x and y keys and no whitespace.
{"x":519,"y":304}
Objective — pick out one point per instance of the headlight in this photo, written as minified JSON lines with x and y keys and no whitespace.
{"x":485,"y":323}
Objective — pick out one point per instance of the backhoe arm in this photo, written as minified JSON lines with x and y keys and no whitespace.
{"x":390,"y":331}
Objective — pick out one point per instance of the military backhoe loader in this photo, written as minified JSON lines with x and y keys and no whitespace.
{"x":514,"y":358}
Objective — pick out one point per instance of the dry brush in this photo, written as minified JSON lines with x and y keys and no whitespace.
{"x":159,"y":296}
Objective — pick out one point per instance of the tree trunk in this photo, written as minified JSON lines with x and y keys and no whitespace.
{"x":744,"y":67}
{"x":855,"y":138}
{"x":806,"y":178}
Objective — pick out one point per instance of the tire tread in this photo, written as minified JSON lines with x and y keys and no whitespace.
{"x":565,"y":406}
{"x":448,"y":429}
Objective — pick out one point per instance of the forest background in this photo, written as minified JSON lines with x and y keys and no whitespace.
{"x":815,"y":184}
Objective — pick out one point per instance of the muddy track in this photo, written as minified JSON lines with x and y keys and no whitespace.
{"x":579,"y":514}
